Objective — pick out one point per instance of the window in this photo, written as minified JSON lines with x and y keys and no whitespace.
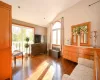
{"x":19,"y":34}
{"x":56,"y":33}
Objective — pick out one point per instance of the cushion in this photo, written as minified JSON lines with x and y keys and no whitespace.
{"x":85,"y":62}
{"x":65,"y":76}
{"x":56,"y":48}
{"x":82,"y":73}
{"x":69,"y":78}
{"x":55,"y":51}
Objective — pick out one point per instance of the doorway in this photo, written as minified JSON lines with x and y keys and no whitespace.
{"x":19,"y":35}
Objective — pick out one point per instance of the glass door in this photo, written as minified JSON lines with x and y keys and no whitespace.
{"x":19,"y":35}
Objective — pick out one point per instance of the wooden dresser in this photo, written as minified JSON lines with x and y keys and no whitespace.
{"x":97,"y":65}
{"x":38,"y":48}
{"x":5,"y":41}
{"x":72,"y":52}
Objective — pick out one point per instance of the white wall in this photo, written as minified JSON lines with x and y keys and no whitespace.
{"x":80,"y":13}
{"x":38,"y":29}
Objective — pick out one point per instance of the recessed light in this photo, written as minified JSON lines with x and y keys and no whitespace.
{"x":19,"y":7}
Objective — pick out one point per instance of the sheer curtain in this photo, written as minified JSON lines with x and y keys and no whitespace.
{"x":62,"y":34}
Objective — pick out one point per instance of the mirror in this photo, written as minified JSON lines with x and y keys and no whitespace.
{"x":83,"y":30}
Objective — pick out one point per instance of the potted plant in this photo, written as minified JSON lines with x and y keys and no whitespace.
{"x":27,"y":46}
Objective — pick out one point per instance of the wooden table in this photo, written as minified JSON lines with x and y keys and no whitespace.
{"x":17,"y":53}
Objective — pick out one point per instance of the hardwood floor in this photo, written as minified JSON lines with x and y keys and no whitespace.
{"x":41,"y":67}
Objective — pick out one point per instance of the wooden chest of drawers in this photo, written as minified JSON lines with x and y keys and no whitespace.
{"x":70,"y":53}
{"x":73,"y":52}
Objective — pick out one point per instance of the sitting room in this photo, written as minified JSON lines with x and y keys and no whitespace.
{"x":50,"y":40}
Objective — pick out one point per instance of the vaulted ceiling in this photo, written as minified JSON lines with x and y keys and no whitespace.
{"x":39,"y":12}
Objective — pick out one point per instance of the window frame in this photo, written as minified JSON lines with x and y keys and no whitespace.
{"x":56,"y":34}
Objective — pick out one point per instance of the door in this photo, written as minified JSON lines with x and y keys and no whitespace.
{"x":5,"y":41}
{"x":4,"y":28}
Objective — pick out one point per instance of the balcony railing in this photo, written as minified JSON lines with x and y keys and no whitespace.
{"x":19,"y":45}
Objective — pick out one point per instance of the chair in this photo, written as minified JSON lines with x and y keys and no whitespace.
{"x":17,"y":53}
{"x":55,"y":52}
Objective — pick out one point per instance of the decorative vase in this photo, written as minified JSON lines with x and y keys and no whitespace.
{"x":78,"y":42}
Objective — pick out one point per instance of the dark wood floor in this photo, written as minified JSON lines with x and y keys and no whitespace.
{"x":40,"y":67}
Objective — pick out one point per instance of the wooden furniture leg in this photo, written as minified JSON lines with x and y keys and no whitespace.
{"x":22,"y":58}
{"x":15,"y":60}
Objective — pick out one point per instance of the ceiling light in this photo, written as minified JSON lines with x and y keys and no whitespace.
{"x":19,"y":7}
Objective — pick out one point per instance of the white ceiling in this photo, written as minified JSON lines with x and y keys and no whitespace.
{"x":34,"y":11}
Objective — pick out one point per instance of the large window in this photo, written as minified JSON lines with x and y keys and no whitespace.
{"x":56,"y":33}
{"x":19,"y":34}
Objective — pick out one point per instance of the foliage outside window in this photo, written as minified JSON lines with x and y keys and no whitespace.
{"x":19,"y":34}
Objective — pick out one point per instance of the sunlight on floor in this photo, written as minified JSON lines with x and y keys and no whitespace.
{"x":38,"y":71}
{"x":49,"y":74}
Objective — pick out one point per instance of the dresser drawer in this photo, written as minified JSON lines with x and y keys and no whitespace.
{"x":73,"y":53}
{"x":70,"y":48}
{"x":65,"y":54}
